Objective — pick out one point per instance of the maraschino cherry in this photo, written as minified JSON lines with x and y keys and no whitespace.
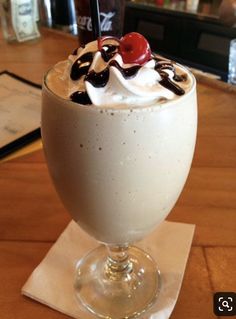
{"x":133,"y":47}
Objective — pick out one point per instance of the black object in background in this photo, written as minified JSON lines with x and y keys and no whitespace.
{"x":196,"y":40}
{"x":64,"y":15}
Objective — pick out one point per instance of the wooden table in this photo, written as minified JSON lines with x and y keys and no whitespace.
{"x":32,"y":217}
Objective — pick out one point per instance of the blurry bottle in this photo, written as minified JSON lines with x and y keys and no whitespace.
{"x":111,"y":16}
{"x":45,"y":13}
{"x":166,"y":3}
{"x":206,"y":7}
{"x":19,"y":19}
{"x":160,"y":2}
{"x":232,"y":62}
{"x":64,"y":15}
{"x":173,"y":4}
{"x":181,"y":5}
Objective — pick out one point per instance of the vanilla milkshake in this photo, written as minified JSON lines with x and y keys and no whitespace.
{"x":118,"y":138}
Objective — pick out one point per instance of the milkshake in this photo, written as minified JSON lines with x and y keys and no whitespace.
{"x":119,"y":128}
{"x":119,"y":160}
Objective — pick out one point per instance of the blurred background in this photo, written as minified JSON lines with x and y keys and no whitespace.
{"x":196,"y":33}
{"x":189,"y":31}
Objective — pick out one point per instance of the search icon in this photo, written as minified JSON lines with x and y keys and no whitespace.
{"x":225,"y":304}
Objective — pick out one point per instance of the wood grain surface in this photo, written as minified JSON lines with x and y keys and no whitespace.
{"x":32,"y":216}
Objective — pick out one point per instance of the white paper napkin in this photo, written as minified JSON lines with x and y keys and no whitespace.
{"x":51,"y":283}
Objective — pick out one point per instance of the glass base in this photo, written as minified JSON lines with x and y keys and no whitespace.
{"x":111,"y":291}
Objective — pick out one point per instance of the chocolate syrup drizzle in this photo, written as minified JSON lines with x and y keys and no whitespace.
{"x":81,"y":66}
{"x":110,"y":51}
{"x":80,"y":97}
{"x":100,"y":79}
{"x":160,"y":66}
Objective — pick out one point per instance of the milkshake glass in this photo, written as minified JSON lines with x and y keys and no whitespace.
{"x":119,"y":169}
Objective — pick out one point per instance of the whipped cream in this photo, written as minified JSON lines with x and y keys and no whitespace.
{"x":90,"y":76}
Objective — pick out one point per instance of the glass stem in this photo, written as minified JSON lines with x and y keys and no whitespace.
{"x":118,"y":264}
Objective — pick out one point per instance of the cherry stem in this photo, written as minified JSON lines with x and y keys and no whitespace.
{"x":106,"y":37}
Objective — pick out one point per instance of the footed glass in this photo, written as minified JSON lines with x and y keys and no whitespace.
{"x":119,"y":172}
